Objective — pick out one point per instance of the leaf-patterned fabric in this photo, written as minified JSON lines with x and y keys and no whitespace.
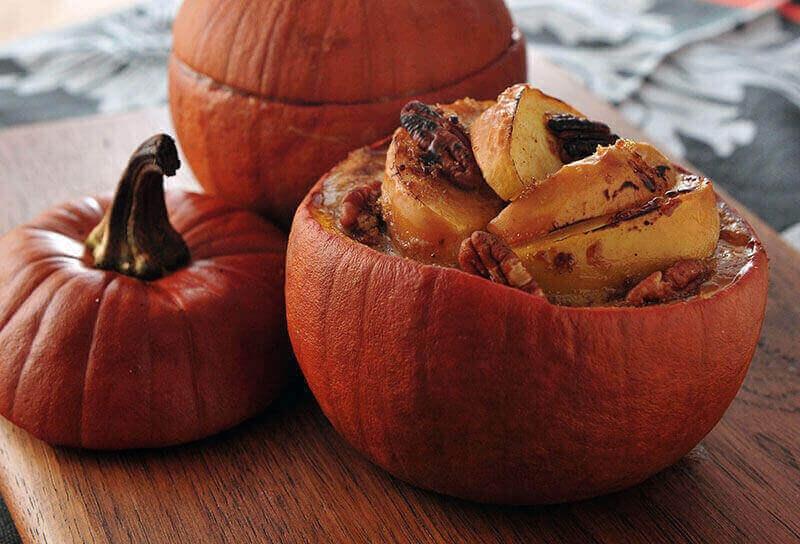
{"x":717,"y":83}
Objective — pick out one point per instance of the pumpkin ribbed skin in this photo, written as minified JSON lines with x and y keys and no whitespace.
{"x":96,"y":359}
{"x":481,"y":391}
{"x":267,"y":95}
{"x":340,"y":51}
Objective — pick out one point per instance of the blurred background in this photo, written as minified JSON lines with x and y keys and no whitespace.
{"x":23,"y":17}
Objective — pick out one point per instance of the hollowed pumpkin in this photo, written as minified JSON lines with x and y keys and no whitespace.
{"x":479,"y":390}
{"x":267,"y":95}
{"x":123,"y":327}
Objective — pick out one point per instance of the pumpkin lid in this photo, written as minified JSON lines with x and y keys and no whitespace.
{"x":340,"y":51}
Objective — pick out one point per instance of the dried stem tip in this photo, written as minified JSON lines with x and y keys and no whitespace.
{"x":135,"y":237}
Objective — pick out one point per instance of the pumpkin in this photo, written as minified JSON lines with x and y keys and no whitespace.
{"x":267,"y":95}
{"x":479,"y":390}
{"x":118,"y":330}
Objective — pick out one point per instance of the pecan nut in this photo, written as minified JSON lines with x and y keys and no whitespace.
{"x":578,"y":137}
{"x":444,"y":142}
{"x":485,"y":255}
{"x":360,"y":214}
{"x":678,"y":280}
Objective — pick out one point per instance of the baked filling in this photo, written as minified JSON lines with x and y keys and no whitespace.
{"x":527,"y":192}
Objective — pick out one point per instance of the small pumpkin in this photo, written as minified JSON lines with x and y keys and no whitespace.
{"x":475,"y":389}
{"x":266,"y":95}
{"x":123,"y":325}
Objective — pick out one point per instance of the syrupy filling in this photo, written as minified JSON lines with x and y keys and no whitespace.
{"x":348,"y":204}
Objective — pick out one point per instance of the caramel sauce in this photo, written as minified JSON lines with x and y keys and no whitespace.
{"x":733,"y":257}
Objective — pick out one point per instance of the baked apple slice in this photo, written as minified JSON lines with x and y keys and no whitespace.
{"x":611,"y":252}
{"x":467,"y":110}
{"x":433,"y":193}
{"x":625,"y":175}
{"x":527,"y":135}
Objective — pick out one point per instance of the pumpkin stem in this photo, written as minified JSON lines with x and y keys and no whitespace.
{"x":135,"y":236}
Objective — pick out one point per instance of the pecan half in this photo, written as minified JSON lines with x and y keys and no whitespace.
{"x":485,"y":255}
{"x":360,"y":214}
{"x":444,"y":142}
{"x":678,"y":280}
{"x":578,"y":137}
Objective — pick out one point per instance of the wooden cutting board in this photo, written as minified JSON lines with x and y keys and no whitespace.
{"x":287,"y":477}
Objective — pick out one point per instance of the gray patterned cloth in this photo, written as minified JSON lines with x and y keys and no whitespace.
{"x":717,"y":85}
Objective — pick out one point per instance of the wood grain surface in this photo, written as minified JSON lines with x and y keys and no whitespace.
{"x":287,"y":477}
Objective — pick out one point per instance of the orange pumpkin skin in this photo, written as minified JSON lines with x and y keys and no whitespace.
{"x":267,"y":95}
{"x":96,"y":359}
{"x":481,"y":391}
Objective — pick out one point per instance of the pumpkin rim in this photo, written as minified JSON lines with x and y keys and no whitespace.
{"x":516,"y":43}
{"x":758,"y":261}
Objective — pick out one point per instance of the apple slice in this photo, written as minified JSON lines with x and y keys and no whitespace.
{"x":432,"y":196}
{"x":611,"y":251}
{"x":528,"y":135}
{"x":467,"y":110}
{"x":618,"y":177}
